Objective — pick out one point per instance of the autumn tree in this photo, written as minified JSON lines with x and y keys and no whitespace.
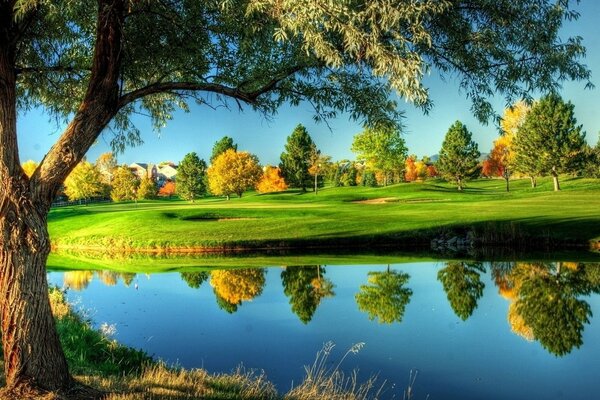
{"x":106,"y":164}
{"x":499,"y":161}
{"x":271,"y":181}
{"x":191,"y":177}
{"x":233,"y":172}
{"x":410,"y":169}
{"x":463,"y":286}
{"x":306,"y":286}
{"x":95,"y":64}
{"x":383,"y":150}
{"x":124,"y":184}
{"x":296,"y":159}
{"x":459,"y":155}
{"x":84,"y":182}
{"x":29,"y":167}
{"x":550,"y":141}
{"x":221,"y":146}
{"x":168,"y":189}
{"x":147,"y":189}
{"x":385,"y":297}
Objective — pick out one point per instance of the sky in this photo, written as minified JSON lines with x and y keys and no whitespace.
{"x":199,"y":129}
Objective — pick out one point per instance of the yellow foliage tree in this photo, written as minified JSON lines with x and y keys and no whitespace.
{"x":235,"y":286}
{"x":421,"y":170}
{"x":29,"y":167}
{"x":233,"y":172}
{"x":83,"y":182}
{"x":77,"y":280}
{"x":514,"y":117}
{"x":271,"y":181}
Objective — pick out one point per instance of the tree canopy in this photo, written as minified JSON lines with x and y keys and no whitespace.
{"x":191,"y":177}
{"x":233,"y":172}
{"x":306,"y":286}
{"x":463,"y":286}
{"x":296,"y":159}
{"x":222,"y":145}
{"x":459,"y":155}
{"x":383,"y":150}
{"x":385,"y":298}
{"x":84,"y":182}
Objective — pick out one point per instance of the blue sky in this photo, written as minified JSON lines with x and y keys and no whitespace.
{"x":198,"y":130}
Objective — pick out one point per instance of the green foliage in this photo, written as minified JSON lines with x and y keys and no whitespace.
{"x":459,"y":156}
{"x":147,"y":189}
{"x":368,"y":179}
{"x":84,"y":182}
{"x":194,"y":279}
{"x":306,"y":286}
{"x":463,"y":286}
{"x":296,"y":159}
{"x":383,"y":150}
{"x":191,"y":177}
{"x":90,"y":352}
{"x":124,"y":184}
{"x":222,"y":145}
{"x":549,"y":141}
{"x":548,"y":302}
{"x":385,"y":298}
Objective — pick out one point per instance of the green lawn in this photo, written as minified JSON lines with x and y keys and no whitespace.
{"x":412,"y":214}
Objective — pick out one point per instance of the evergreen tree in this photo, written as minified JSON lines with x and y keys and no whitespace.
{"x":459,"y":155}
{"x":296,"y":159}
{"x":221,"y":146}
{"x":191,"y":182}
{"x":549,"y":141}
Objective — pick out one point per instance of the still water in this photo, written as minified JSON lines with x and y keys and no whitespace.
{"x":471,"y":330}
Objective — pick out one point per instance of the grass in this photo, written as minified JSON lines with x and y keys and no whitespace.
{"x":412,"y":214}
{"x":123,"y":373}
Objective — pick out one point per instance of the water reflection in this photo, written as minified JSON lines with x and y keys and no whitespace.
{"x":463,"y":286}
{"x":547,"y":301}
{"x":306,"y":286}
{"x":384,"y":298}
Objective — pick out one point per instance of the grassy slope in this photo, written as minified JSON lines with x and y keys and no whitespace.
{"x":417,"y":211}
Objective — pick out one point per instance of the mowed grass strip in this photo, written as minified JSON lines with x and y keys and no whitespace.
{"x":410,"y":213}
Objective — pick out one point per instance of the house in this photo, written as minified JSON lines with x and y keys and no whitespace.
{"x":166,"y":172}
{"x":143,"y":170}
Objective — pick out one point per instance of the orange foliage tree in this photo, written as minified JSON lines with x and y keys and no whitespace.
{"x":271,"y":180}
{"x":233,"y":172}
{"x":499,"y":159}
{"x":410,"y":169}
{"x":431,"y":171}
{"x":168,"y":189}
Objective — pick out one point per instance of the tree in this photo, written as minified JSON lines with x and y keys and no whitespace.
{"x":296,"y":159}
{"x":233,"y":172}
{"x":499,"y":161}
{"x":96,"y":64}
{"x":385,"y":298}
{"x":463,"y":286}
{"x":306,"y":286}
{"x":591,"y":167}
{"x":124,"y":184}
{"x":271,"y":181}
{"x":459,"y":155}
{"x":222,"y":145}
{"x":383,"y":150}
{"x":168,"y":189}
{"x":83,"y":182}
{"x":410,"y":169}
{"x":29,"y":167}
{"x":191,"y":177}
{"x":147,"y":189}
{"x":549,"y":141}
{"x":106,"y":164}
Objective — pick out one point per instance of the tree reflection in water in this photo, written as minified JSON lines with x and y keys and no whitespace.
{"x":546,"y":302}
{"x":306,"y":286}
{"x":385,"y":297}
{"x":233,"y":286}
{"x":463,"y":286}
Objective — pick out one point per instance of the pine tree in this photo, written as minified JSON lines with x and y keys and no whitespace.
{"x":296,"y":159}
{"x":222,"y":145}
{"x":191,"y":182}
{"x":459,"y":155}
{"x":549,"y":141}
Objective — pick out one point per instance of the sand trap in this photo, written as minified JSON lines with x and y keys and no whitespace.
{"x":380,"y":200}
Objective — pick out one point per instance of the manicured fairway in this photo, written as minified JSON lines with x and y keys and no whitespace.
{"x":404,"y":214}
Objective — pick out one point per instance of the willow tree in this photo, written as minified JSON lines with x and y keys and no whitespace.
{"x":95,"y":63}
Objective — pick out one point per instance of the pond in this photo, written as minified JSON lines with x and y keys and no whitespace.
{"x":469,"y":330}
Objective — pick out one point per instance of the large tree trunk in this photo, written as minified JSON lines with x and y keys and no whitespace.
{"x":33,"y":357}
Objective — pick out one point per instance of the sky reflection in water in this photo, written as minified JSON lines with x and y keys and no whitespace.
{"x":472,"y":330}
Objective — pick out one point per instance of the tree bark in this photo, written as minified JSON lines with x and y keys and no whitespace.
{"x":533,"y":181}
{"x":555,"y":180}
